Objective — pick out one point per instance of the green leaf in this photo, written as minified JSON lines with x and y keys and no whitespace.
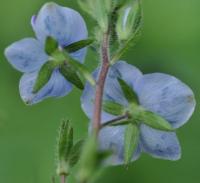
{"x":155,"y":121}
{"x":70,"y":74}
{"x":75,"y":153}
{"x":98,"y":10}
{"x":129,"y":93}
{"x":88,"y":159}
{"x":82,"y":70}
{"x":78,"y":45}
{"x":113,"y":108}
{"x":65,"y":142}
{"x":130,"y":142}
{"x":44,"y":75}
{"x":51,"y":45}
{"x":91,"y":159}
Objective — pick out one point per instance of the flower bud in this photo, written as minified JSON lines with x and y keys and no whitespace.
{"x":129,"y":19}
{"x":65,"y":144}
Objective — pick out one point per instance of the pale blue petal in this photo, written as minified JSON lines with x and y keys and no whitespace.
{"x":160,"y":144}
{"x":26,"y":55}
{"x":64,"y":24}
{"x":56,"y":87}
{"x":112,"y":90}
{"x":112,"y":138}
{"x":167,"y":96}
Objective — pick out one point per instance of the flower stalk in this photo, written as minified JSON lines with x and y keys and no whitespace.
{"x":63,"y":179}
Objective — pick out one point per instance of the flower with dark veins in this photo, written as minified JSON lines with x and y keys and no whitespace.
{"x":28,"y":55}
{"x":159,"y":93}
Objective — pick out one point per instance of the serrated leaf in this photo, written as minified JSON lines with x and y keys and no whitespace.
{"x":65,"y":141}
{"x":44,"y":75}
{"x":51,"y":45}
{"x":75,"y":153}
{"x":78,"y":45}
{"x":155,"y":121}
{"x":129,"y":93}
{"x":131,"y":139}
{"x":71,"y":75}
{"x":113,"y":108}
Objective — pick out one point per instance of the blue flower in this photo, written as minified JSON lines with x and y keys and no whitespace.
{"x":28,"y":55}
{"x":160,"y":93}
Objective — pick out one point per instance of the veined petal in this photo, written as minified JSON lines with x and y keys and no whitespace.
{"x":64,"y":24}
{"x":113,"y":90}
{"x":112,"y":138}
{"x":166,"y":96}
{"x":160,"y":144}
{"x":26,"y":55}
{"x":56,"y":87}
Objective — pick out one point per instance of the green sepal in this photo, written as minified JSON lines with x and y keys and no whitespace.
{"x":155,"y":121}
{"x":78,"y":45}
{"x":51,"y":45}
{"x":75,"y":153}
{"x":120,"y":123}
{"x":131,"y":139}
{"x":70,"y":74}
{"x":140,"y":115}
{"x":81,"y":69}
{"x":44,"y":75}
{"x":129,"y":93}
{"x":113,"y":108}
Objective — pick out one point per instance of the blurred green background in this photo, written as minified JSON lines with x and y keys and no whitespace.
{"x":170,"y":43}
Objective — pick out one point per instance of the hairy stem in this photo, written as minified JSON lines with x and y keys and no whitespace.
{"x":100,"y":83}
